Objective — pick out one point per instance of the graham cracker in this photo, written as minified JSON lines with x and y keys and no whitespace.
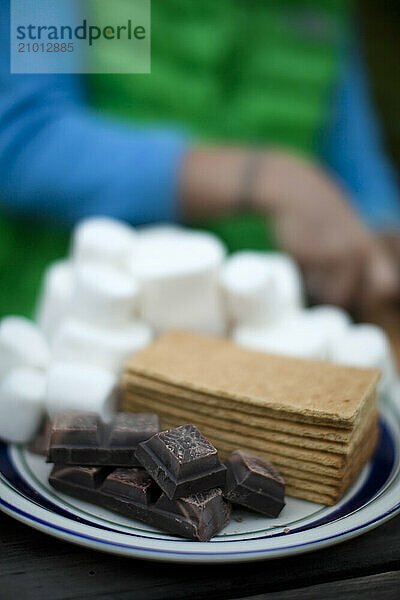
{"x":236,"y":441}
{"x":282,"y":461}
{"x":170,"y":395}
{"x":299,"y":469}
{"x":298,"y":490}
{"x":312,"y":481}
{"x":291,"y":474}
{"x":309,"y":496}
{"x":290,"y":467}
{"x":338,"y":489}
{"x":322,"y":392}
{"x":162,"y":407}
{"x":205,"y":403}
{"x":231,"y":439}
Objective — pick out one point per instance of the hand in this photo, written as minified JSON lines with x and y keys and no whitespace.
{"x":342,"y":261}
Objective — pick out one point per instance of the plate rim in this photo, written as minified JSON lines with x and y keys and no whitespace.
{"x":184,"y":557}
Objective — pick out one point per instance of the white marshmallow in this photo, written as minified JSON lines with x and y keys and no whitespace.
{"x":248,"y":286}
{"x":55,"y":296}
{"x":296,"y":336}
{"x":21,"y":344}
{"x":77,"y":341}
{"x":162,"y":230}
{"x":260,"y":287}
{"x":81,"y":387}
{"x":366,"y":346}
{"x":103,"y":295}
{"x":22,"y":394}
{"x":177,"y":272}
{"x":104,"y":240}
{"x":331,"y":320}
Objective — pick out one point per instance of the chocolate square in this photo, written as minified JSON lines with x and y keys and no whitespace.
{"x":133,"y":483}
{"x":182,"y":461}
{"x":81,"y":438}
{"x":85,"y":477}
{"x":254,"y":483}
{"x":206,"y":511}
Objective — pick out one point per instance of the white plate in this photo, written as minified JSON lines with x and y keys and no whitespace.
{"x":301,"y":527}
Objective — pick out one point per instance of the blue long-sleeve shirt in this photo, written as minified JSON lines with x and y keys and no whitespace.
{"x":354,"y":150}
{"x":58,"y":158}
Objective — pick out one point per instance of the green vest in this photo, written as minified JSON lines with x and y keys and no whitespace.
{"x":258,"y":71}
{"x":236,"y":70}
{"x":26,"y":248}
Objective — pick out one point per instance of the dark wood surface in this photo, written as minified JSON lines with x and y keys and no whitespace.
{"x":34,"y":566}
{"x":372,"y":586}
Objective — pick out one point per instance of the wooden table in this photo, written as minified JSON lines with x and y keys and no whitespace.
{"x":34,"y":566}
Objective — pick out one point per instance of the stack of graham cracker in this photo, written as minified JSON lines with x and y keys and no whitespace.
{"x":317,"y":422}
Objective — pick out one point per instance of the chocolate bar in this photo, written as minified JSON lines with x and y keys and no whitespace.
{"x":133,"y":493}
{"x":254,"y":483}
{"x":182,"y":462}
{"x":81,"y":438}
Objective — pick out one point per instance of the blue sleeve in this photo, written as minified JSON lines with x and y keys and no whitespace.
{"x":355,"y":151}
{"x":60,"y":160}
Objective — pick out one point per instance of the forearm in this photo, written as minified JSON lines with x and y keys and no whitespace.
{"x":225,"y":180}
{"x":210,"y":180}
{"x":76,"y":164}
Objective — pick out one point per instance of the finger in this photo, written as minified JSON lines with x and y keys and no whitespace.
{"x":334,"y":286}
{"x":382,"y":279}
{"x":336,"y":277}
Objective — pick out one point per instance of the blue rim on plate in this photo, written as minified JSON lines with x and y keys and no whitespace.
{"x":301,"y":527}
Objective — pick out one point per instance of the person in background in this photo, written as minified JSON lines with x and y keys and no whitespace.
{"x":261,"y":108}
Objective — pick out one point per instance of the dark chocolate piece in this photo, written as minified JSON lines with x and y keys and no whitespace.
{"x":134,"y":484}
{"x":182,"y":462}
{"x":81,"y":438}
{"x":254,"y":483}
{"x":132,"y":492}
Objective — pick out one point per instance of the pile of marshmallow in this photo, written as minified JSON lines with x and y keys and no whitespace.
{"x":122,"y":286}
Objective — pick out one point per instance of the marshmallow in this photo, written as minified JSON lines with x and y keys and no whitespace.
{"x":294,"y":336}
{"x":21,"y":344}
{"x":177,"y":272}
{"x":103,"y":239}
{"x":164,"y":230}
{"x":247,"y":285}
{"x":55,"y":297}
{"x":81,"y":342}
{"x":260,"y":287}
{"x":81,"y":387}
{"x":22,"y":394}
{"x":103,"y":295}
{"x":332,"y":321}
{"x":366,"y":346}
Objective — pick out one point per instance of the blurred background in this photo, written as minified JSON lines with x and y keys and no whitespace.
{"x":315,"y":81}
